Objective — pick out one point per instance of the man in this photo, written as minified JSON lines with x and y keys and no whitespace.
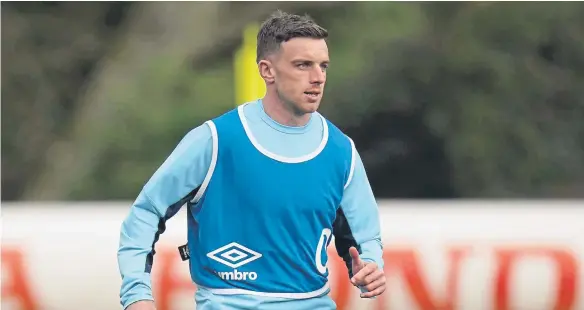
{"x":266,"y":186}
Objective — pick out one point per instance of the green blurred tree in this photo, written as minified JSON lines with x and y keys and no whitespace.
{"x":502,"y":85}
{"x":443,"y":100}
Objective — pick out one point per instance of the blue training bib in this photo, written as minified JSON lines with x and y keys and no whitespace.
{"x":261,"y":222}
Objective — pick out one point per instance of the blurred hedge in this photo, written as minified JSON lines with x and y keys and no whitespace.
{"x":443,"y":100}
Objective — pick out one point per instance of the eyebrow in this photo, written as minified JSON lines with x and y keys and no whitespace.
{"x":299,"y":60}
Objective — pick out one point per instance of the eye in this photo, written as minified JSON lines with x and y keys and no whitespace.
{"x":303,"y":65}
{"x":324,"y":66}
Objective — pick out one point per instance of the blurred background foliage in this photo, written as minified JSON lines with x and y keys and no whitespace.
{"x":443,"y":100}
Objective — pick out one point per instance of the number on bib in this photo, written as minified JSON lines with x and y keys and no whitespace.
{"x":322,"y":243}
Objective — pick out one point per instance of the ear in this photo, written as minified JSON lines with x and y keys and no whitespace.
{"x":266,"y":71}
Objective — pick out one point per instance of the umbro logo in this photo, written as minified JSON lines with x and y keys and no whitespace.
{"x":234,"y":255}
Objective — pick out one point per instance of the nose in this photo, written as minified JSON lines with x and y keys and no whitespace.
{"x":317,"y":75}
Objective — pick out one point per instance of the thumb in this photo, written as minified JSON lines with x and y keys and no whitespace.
{"x":354,"y":255}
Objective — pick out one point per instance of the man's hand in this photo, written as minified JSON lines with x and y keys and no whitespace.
{"x":142,"y":305}
{"x":366,"y":275}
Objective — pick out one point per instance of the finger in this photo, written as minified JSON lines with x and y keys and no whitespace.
{"x":354,"y":254}
{"x":359,"y":278}
{"x":372,"y":286}
{"x":376,"y":292}
{"x":373,"y":276}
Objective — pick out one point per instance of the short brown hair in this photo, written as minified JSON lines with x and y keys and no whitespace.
{"x":281,"y":27}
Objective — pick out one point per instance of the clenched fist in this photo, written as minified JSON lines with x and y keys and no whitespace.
{"x":367,"y":275}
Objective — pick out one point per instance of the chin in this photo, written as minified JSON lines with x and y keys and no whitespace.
{"x":309,"y":107}
{"x":304,"y":107}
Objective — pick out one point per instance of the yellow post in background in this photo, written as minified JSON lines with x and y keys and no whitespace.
{"x":248,"y":83}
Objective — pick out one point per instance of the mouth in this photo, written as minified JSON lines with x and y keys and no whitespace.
{"x":312,"y":94}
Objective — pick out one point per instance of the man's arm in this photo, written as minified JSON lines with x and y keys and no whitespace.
{"x":172,"y":185}
{"x":357,"y":223}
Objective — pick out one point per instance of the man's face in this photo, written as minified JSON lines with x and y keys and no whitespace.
{"x":300,"y":73}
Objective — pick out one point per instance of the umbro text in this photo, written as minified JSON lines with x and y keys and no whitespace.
{"x":238,"y":276}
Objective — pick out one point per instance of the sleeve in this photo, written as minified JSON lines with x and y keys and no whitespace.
{"x":357,"y":223}
{"x":175,"y":182}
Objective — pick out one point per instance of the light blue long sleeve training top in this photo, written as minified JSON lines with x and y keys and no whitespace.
{"x":181,"y":176}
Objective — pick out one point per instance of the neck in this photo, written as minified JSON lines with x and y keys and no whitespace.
{"x":283,"y":113}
